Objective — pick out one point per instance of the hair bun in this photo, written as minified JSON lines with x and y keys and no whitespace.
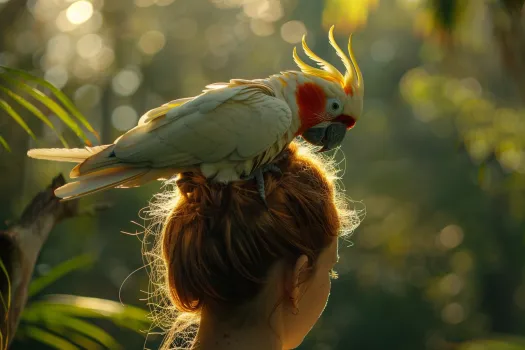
{"x":197,"y":189}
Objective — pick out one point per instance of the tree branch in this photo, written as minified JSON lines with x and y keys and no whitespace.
{"x":20,"y":246}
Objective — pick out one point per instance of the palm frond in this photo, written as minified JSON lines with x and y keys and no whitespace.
{"x":5,"y":144}
{"x":9,"y":110}
{"x":58,"y":94}
{"x":58,"y":272}
{"x":497,"y":343}
{"x":36,"y":112}
{"x":66,"y":315}
{"x":126,"y":316}
{"x":6,"y":304}
{"x":50,"y":339}
{"x":49,"y":103}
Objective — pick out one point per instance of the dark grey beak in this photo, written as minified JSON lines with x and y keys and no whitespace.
{"x":330,"y":137}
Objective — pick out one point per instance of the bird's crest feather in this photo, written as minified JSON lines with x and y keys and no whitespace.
{"x":350,"y":81}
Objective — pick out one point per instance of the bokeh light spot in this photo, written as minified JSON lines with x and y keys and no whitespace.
{"x":79,"y":12}
{"x":261,"y":28}
{"x":451,"y":284}
{"x":462,"y":262}
{"x":451,"y":236}
{"x":152,"y":42}
{"x":453,"y":313}
{"x":293,"y":31}
{"x":87,"y":96}
{"x":124,"y":118}
{"x":89,"y":45}
{"x":126,"y":82}
{"x":57,"y":76}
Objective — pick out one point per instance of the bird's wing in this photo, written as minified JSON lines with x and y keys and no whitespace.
{"x":162,"y":110}
{"x":234,"y":123}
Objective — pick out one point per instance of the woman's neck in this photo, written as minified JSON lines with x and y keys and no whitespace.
{"x":214,"y":335}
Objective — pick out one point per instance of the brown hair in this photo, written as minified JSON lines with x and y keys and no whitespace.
{"x":217,"y":242}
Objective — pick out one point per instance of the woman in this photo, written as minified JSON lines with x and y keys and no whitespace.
{"x":234,"y":274}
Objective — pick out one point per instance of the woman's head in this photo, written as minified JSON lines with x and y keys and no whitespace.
{"x":221,"y":251}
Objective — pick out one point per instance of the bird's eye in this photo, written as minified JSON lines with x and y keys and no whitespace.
{"x":334,"y":106}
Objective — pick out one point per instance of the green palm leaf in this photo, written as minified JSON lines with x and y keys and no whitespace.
{"x":59,"y":271}
{"x":6,"y":304}
{"x":50,"y":339}
{"x":83,"y":328}
{"x":493,"y":344}
{"x":4,"y":143}
{"x":49,"y":103}
{"x":35,"y":111}
{"x":65,"y":315}
{"x":81,"y":340}
{"x":59,"y":94}
{"x":9,"y":110}
{"x":126,"y":316}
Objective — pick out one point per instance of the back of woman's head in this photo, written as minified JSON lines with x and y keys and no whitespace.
{"x":218,"y":242}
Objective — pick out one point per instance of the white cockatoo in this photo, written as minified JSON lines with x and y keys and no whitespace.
{"x":231,"y":131}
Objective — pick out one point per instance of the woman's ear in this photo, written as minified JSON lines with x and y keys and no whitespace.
{"x":297,"y":276}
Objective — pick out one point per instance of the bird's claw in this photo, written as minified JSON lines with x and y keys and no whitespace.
{"x":258,"y":175}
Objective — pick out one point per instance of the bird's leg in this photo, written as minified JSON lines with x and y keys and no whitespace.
{"x":258,"y":175}
{"x":283,"y":155}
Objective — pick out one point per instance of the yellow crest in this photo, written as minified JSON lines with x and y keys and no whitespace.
{"x":351,"y":80}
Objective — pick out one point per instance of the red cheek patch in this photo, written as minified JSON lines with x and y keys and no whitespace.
{"x":311,"y":100}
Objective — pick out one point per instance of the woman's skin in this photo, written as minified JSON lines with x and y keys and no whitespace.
{"x":268,"y":327}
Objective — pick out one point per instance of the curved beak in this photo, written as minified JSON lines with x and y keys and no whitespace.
{"x":328,"y":137}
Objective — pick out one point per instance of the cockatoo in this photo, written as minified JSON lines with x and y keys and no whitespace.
{"x":231,"y":131}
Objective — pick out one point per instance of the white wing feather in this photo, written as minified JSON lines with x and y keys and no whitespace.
{"x":236,"y":124}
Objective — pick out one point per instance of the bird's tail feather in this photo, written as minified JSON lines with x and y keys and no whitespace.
{"x":151,"y":175}
{"x":99,"y":181}
{"x":74,"y":155}
{"x":103,"y":160}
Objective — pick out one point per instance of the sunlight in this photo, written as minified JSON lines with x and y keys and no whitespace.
{"x":79,"y":12}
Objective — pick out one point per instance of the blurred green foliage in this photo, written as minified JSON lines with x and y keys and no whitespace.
{"x":15,"y":79}
{"x":438,"y":157}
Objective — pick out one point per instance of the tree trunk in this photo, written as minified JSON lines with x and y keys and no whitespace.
{"x":20,"y":246}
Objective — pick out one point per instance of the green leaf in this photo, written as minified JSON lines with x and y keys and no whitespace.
{"x":2,"y":345}
{"x":7,"y":306}
{"x":49,"y":103}
{"x":59,"y":94}
{"x":79,"y":339}
{"x":59,"y":271}
{"x":89,"y":330}
{"x":492,"y":344}
{"x":9,"y":110}
{"x":126,"y":316}
{"x":5,"y":144}
{"x":35,"y":111}
{"x":50,"y":339}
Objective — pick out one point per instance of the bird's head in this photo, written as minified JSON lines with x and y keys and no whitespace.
{"x":328,"y":102}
